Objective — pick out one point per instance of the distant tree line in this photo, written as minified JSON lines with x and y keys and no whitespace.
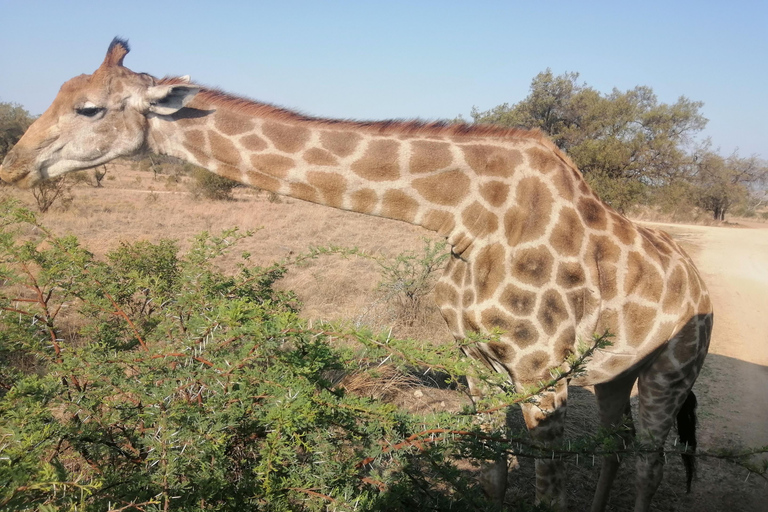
{"x":633,"y":149}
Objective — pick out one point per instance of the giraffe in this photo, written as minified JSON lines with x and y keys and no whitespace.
{"x":535,"y":254}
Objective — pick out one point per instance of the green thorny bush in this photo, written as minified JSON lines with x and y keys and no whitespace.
{"x":152,"y":381}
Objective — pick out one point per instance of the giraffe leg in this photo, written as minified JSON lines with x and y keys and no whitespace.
{"x":662,"y":395}
{"x":546,"y":422}
{"x":614,"y":407}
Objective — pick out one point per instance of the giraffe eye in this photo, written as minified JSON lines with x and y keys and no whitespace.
{"x":89,"y":111}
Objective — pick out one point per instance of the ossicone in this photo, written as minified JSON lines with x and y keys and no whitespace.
{"x":116,"y":52}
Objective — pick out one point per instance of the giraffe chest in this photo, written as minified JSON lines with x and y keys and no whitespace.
{"x":537,"y":322}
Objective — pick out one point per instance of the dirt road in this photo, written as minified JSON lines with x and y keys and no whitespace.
{"x":733,"y":386}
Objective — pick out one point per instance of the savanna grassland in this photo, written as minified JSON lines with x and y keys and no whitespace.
{"x":138,"y":205}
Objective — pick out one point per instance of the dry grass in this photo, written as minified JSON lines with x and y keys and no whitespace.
{"x":134,"y":205}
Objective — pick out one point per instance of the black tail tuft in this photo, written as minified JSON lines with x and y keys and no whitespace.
{"x":686,"y":430}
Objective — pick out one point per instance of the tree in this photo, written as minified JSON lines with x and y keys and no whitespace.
{"x":624,"y":142}
{"x":723,"y":182}
{"x":14,"y":121}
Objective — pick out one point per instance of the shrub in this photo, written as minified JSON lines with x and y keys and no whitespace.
{"x":48,"y":192}
{"x":408,"y":278}
{"x":182,"y":388}
{"x":211,"y":186}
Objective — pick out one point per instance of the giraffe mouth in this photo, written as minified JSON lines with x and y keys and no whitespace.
{"x":24,"y":181}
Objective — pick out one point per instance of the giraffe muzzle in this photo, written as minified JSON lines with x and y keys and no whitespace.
{"x":14,"y":171}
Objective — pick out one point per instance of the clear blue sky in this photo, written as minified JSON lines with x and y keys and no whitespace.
{"x":407,"y":59}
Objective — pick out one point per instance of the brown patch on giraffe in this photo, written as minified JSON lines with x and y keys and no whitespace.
{"x":439,"y":220}
{"x":565,"y":182}
{"x":460,"y":243}
{"x":494,"y":318}
{"x":304,"y":191}
{"x":608,"y":321}
{"x":276,"y":165}
{"x":317,"y":156}
{"x":519,"y":301}
{"x":194,"y":142}
{"x":332,"y":186}
{"x":233,"y":124}
{"x":614,"y":364}
{"x":380,"y":161}
{"x":458,"y":273}
{"x":639,"y":321}
{"x":642,"y":278}
{"x":564,"y":344}
{"x":659,"y":240}
{"x":479,"y":221}
{"x":542,"y":160}
{"x":470,"y":321}
{"x":568,"y":234}
{"x":223,"y":150}
{"x":623,"y":229}
{"x":445,"y":294}
{"x":364,"y":201}
{"x":451,"y":319}
{"x":695,"y":283}
{"x":533,"y":265}
{"x":262,"y":181}
{"x":228,"y":171}
{"x":447,"y":188}
{"x":603,"y":256}
{"x":396,"y":204}
{"x":501,"y":352}
{"x":551,"y":312}
{"x":489,"y":160}
{"x":429,"y":156}
{"x":687,"y":346}
{"x":665,"y":364}
{"x":495,"y":192}
{"x":593,"y":213}
{"x":468,"y":298}
{"x":650,"y":245}
{"x":340,"y":143}
{"x":523,"y":333}
{"x":253,"y":142}
{"x":529,"y":218}
{"x":488,"y":271}
{"x":533,"y":366}
{"x":194,"y":138}
{"x":285,"y":137}
{"x":577,"y":301}
{"x":570,"y":275}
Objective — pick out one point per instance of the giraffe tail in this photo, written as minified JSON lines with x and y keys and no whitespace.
{"x":686,"y":430}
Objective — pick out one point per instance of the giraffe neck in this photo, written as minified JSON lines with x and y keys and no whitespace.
{"x":458,"y":181}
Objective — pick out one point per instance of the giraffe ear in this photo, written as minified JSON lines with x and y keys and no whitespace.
{"x":165,"y":100}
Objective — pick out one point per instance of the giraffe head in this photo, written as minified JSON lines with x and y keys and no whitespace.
{"x":94,"y":119}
